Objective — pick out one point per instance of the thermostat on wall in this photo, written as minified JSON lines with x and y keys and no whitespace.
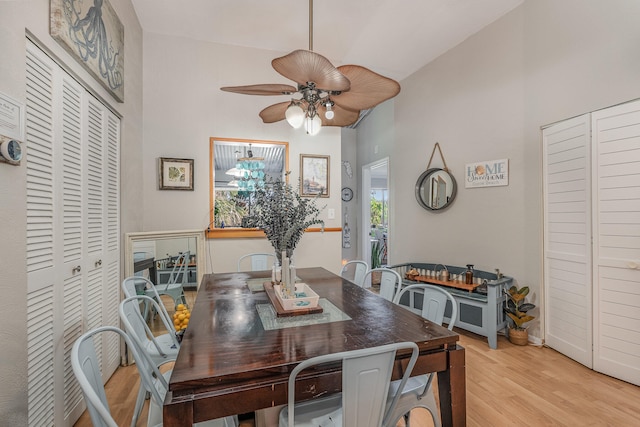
{"x":11,"y":150}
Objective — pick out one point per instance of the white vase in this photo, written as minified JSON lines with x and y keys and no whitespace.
{"x":276,"y":273}
{"x":288,"y":282}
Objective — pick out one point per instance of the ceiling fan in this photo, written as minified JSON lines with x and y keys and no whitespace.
{"x":329,"y":96}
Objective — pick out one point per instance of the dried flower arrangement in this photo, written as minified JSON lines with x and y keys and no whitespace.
{"x":283,"y":215}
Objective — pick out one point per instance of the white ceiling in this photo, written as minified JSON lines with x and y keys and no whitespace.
{"x":392,"y":37}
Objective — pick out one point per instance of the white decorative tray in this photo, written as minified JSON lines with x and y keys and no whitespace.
{"x":305,"y":297}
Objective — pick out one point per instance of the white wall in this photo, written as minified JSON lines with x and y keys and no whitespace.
{"x":375,"y":141}
{"x":184,"y":107}
{"x":15,"y":16}
{"x":349,"y":153}
{"x":487,"y":99}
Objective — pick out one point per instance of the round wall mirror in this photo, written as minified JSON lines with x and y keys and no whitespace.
{"x":435,"y":189}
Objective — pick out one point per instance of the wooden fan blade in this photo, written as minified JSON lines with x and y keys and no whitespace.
{"x":304,"y":66}
{"x":368,"y":88}
{"x":342,"y":116}
{"x":274,"y":113}
{"x":263,"y":89}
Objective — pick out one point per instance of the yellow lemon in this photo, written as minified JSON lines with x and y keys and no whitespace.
{"x":181,"y":316}
{"x":180,"y":307}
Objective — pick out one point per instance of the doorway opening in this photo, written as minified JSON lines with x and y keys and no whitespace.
{"x":375,"y":213}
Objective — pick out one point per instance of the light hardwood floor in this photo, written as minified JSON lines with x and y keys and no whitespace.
{"x":510,"y":386}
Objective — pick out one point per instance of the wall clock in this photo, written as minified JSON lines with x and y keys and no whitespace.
{"x":347,"y":194}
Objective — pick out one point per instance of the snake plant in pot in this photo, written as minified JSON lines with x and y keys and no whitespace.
{"x":517,"y":310}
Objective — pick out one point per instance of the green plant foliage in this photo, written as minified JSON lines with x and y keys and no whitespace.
{"x":376,"y":254}
{"x":230,"y":208}
{"x":284,"y":215}
{"x":377,"y":209}
{"x":516,"y":308}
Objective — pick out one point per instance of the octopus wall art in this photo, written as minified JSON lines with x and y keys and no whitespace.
{"x":92,"y":32}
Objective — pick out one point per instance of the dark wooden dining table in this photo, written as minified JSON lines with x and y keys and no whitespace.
{"x":235,"y":360}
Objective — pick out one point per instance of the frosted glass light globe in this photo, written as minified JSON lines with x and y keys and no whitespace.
{"x":313,"y":125}
{"x":294,"y":115}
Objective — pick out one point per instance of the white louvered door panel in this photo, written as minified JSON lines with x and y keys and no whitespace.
{"x":95,"y":218}
{"x":40,"y":239}
{"x":94,"y":187}
{"x":69,"y":159}
{"x":40,"y":356}
{"x":71,"y":173}
{"x":616,"y":214}
{"x":111,"y":268}
{"x":567,"y":238}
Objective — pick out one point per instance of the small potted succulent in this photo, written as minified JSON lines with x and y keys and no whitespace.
{"x":516,"y":308}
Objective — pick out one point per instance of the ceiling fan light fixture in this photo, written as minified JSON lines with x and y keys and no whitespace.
{"x":235,"y":171}
{"x":313,"y":124}
{"x":325,"y":90}
{"x":294,"y":115}
{"x":329,"y":114}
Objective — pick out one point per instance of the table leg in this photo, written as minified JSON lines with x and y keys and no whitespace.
{"x":177,"y":414}
{"x":452,"y":389}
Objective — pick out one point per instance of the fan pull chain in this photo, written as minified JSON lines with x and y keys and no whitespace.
{"x":311,"y":25}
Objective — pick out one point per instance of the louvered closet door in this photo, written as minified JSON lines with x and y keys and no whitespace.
{"x":41,"y":317}
{"x":567,"y":238}
{"x":102,"y":228}
{"x":72,"y":216}
{"x":616,"y":214}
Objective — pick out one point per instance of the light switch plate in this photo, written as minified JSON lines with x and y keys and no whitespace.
{"x":331,"y":213}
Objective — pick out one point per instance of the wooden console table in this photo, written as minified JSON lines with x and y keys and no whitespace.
{"x":479,"y":310}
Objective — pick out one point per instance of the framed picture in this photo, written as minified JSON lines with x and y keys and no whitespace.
{"x":94,"y":35}
{"x":314,"y":175}
{"x":176,"y":174}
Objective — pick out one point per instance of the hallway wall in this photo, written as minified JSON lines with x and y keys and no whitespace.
{"x":487,"y":99}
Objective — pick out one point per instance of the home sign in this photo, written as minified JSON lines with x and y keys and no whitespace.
{"x":491,"y":173}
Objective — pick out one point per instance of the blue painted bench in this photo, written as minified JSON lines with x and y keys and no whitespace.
{"x":479,"y":311}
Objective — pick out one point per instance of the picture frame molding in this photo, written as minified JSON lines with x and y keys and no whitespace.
{"x":326,"y":159}
{"x":166,"y":162}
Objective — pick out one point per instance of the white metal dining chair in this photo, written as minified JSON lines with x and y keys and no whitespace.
{"x":160,"y":349}
{"x":364,"y":401}
{"x":418,"y":392}
{"x":136,"y":285}
{"x":177,"y":279}
{"x":390,"y":282}
{"x":354,"y":271}
{"x":86,"y":368}
{"x":258,"y":261}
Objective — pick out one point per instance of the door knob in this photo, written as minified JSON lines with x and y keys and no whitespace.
{"x":75,"y":269}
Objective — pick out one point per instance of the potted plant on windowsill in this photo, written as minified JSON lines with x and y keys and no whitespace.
{"x":516,"y":308}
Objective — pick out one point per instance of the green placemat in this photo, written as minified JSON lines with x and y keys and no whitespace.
{"x":271,"y":321}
